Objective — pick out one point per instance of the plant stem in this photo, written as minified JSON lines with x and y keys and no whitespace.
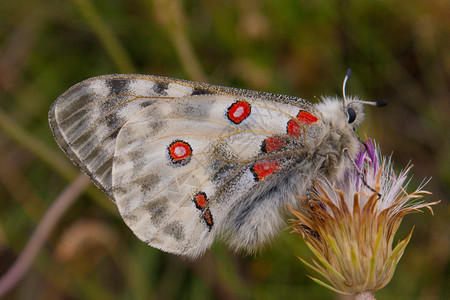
{"x":40,"y":235}
{"x":367,"y":295}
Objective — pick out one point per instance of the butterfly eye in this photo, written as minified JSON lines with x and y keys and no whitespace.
{"x":351,"y":115}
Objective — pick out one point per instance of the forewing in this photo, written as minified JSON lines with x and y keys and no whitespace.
{"x":86,"y":119}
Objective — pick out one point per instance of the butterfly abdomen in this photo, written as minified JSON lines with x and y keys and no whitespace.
{"x":258,"y":216}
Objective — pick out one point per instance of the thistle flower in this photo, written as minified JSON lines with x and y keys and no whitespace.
{"x":350,"y":225}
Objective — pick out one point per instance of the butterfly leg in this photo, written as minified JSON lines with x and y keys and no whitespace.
{"x":360,"y":175}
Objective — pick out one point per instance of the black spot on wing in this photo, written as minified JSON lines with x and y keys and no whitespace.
{"x":114,"y":134}
{"x":198,"y":91}
{"x":158,"y":210}
{"x":222,"y":172}
{"x":145,"y":104}
{"x":160,"y":88}
{"x":176,"y":230}
{"x":112,"y":121}
{"x":117,"y":86}
{"x":146,"y":182}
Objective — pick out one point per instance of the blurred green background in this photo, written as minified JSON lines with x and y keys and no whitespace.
{"x":397,"y":50}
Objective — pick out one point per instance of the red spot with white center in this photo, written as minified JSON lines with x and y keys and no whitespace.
{"x":294,"y":127}
{"x":179,"y":152}
{"x":263,"y":169}
{"x":273,"y":144}
{"x":239,"y":111}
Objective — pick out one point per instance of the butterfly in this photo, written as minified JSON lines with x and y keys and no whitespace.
{"x":186,"y":162}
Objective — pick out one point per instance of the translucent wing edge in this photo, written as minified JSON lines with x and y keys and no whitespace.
{"x":62,"y":143}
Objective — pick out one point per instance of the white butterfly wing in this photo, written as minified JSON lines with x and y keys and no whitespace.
{"x":178,"y":164}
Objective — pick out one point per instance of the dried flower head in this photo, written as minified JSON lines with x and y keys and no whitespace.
{"x":350,"y":225}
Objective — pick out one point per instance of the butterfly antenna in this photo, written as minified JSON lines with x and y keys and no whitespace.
{"x":373,"y":103}
{"x":347,"y":76}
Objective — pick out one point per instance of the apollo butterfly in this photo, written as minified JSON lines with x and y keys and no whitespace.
{"x":185,"y":161}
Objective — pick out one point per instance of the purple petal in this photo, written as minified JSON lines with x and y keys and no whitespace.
{"x":372,"y":152}
{"x":359,"y":160}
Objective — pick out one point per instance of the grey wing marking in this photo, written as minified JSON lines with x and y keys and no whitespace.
{"x":86,"y":119}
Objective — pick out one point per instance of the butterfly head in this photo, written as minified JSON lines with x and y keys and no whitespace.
{"x":349,"y":108}
{"x":341,"y":117}
{"x":341,"y":114}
